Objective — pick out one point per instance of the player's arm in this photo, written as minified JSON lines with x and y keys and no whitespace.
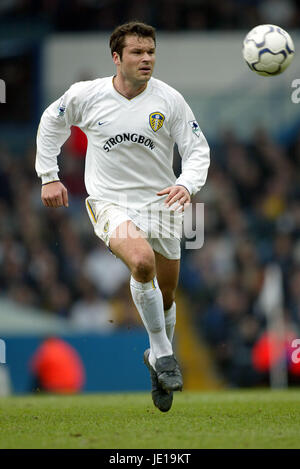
{"x":192,"y":146}
{"x":54,"y":194}
{"x":54,"y":130}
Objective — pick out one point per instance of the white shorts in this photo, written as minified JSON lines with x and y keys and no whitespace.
{"x":163,"y":234}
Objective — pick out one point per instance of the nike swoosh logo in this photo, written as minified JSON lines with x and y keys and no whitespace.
{"x":101,"y":123}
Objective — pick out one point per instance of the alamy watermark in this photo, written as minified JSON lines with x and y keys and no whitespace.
{"x":296,"y":353}
{"x":2,"y":91}
{"x":295,"y":96}
{"x":154,"y":221}
{"x":2,"y":351}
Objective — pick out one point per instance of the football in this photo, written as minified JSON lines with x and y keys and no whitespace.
{"x":268,"y":49}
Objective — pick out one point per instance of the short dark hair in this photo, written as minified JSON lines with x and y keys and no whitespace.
{"x":117,"y":39}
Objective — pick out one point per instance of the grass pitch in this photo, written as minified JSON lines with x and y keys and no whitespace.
{"x":222,"y":419}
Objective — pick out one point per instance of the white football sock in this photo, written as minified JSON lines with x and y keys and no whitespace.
{"x":170,"y":321}
{"x":148,"y":300}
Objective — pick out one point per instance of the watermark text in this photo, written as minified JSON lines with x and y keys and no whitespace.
{"x":296,"y":353}
{"x":154,"y":221}
{"x":2,"y":91}
{"x":295,"y":96}
{"x":2,"y":351}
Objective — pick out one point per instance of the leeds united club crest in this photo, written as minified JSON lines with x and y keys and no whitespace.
{"x":156,"y":120}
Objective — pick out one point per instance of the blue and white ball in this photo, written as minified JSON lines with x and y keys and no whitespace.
{"x":268,"y":49}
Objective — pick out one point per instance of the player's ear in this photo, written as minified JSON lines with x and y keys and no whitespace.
{"x":116,"y":58}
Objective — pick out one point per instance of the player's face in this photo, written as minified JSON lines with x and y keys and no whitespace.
{"x":138,"y":59}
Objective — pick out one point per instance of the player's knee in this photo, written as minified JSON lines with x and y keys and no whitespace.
{"x":143,"y":266}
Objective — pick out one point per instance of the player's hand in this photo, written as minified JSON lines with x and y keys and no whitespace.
{"x":176,"y":194}
{"x":55,"y":195}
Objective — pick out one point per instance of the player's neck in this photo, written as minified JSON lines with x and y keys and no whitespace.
{"x":127,"y":89}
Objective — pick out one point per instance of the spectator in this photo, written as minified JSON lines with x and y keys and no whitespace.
{"x":57,"y":367}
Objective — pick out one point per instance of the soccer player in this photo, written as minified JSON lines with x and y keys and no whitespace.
{"x":135,"y":202}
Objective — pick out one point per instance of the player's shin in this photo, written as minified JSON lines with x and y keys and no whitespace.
{"x":170,"y":321}
{"x":148,"y":300}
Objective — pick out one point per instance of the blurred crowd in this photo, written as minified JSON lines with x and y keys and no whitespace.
{"x":170,"y":15}
{"x":252,"y":219}
{"x":51,"y":259}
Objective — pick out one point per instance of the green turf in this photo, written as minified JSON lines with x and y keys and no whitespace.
{"x":226,"y":419}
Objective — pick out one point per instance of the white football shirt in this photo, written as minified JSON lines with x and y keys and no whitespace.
{"x":130,"y":142}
